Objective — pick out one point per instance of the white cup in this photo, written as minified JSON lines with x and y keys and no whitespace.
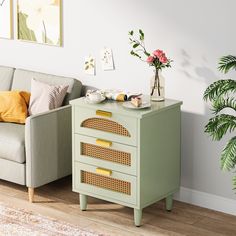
{"x":94,"y":97}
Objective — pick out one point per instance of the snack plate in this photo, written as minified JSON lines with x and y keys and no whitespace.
{"x":94,"y":102}
{"x":129,"y":105}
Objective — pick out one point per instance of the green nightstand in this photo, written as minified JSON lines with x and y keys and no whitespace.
{"x":129,"y":157}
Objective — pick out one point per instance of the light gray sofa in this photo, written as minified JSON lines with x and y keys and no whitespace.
{"x":38,"y":152}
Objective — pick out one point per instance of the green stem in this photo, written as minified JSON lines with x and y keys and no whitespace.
{"x":156,"y":83}
{"x":141,"y":44}
{"x":159,"y":84}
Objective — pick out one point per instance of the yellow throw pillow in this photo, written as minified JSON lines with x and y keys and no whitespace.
{"x":14,"y":106}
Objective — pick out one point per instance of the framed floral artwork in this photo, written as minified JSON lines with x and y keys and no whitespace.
{"x":6,"y":19}
{"x":40,"y":21}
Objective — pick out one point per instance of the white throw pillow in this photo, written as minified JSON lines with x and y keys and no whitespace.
{"x":45,"y":97}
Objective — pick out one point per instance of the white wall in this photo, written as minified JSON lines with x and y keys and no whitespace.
{"x":193,"y":33}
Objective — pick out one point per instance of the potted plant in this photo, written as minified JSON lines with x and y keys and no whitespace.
{"x":222,"y":95}
{"x":157,"y":59}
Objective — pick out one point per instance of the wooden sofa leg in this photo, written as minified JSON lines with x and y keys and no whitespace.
{"x":31,"y":194}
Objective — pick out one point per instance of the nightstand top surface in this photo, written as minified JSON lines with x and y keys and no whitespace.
{"x":116,"y":107}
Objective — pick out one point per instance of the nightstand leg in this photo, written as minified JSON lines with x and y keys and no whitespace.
{"x":137,"y":217}
{"x":169,"y":202}
{"x":83,"y":202}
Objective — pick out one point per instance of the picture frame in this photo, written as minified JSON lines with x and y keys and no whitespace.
{"x":6,"y":19}
{"x":40,"y":22}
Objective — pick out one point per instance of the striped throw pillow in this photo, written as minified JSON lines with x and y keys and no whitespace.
{"x":45,"y":97}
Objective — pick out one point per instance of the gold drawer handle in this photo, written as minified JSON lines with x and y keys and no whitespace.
{"x":103,"y":143}
{"x":103,"y":113}
{"x":102,"y":171}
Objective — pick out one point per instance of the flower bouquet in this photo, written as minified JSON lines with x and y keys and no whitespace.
{"x":157,"y":59}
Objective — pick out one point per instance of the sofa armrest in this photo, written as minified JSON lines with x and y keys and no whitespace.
{"x":48,"y":142}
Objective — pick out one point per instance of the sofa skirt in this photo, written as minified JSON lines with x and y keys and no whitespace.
{"x":13,"y":171}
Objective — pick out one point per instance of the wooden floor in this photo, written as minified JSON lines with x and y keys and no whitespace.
{"x":58,"y":201}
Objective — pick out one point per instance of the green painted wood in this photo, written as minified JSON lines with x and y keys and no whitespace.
{"x":159,"y":153}
{"x":137,"y":217}
{"x":73,"y":148}
{"x":108,"y":194}
{"x":83,"y":202}
{"x":155,"y":147}
{"x":130,"y":123}
{"x":113,"y":200}
{"x":131,"y":170}
{"x":169,"y":202}
{"x":116,"y":107}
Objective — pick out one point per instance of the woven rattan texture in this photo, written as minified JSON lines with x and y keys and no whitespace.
{"x":105,"y":125}
{"x":106,"y":154}
{"x":106,"y":182}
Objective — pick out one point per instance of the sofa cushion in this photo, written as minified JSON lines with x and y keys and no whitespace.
{"x":22,"y":81}
{"x":14,"y":106}
{"x":6,"y":75}
{"x":45,"y":97}
{"x":12,"y":142}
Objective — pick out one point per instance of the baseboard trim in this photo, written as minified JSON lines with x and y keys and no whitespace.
{"x":206,"y":200}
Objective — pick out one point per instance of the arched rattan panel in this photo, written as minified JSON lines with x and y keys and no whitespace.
{"x":106,"y":125}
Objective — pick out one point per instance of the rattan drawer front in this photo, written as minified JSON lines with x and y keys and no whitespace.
{"x":117,"y":186}
{"x":123,"y":158}
{"x":118,"y":128}
{"x":105,"y":182}
{"x":106,"y":126}
{"x":118,"y":157}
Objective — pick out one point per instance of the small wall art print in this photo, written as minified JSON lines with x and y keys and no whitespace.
{"x":89,"y":65}
{"x":40,"y":21}
{"x":6,"y":19}
{"x":107,"y":59}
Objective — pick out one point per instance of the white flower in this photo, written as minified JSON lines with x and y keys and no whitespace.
{"x":43,"y":16}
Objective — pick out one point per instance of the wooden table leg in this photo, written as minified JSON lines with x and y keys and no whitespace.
{"x":31,"y":194}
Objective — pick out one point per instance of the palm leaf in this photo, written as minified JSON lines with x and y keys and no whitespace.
{"x":234,"y":182}
{"x":228,"y":156}
{"x":219,"y":125}
{"x":226,"y":63}
{"x":222,"y":103}
{"x":222,"y":95}
{"x":219,"y":88}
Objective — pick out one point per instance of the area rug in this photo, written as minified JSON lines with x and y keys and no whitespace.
{"x":20,"y":222}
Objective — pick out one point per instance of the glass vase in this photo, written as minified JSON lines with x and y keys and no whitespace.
{"x":157,"y":83}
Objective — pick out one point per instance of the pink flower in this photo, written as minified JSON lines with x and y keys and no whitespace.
{"x":158,"y":53}
{"x":150,"y":59}
{"x":163,"y":59}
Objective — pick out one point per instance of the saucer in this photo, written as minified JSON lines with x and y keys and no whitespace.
{"x":94,"y":102}
{"x":129,"y":105}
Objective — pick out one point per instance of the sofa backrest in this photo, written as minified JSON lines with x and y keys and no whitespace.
{"x":22,"y":81}
{"x":6,"y":75}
